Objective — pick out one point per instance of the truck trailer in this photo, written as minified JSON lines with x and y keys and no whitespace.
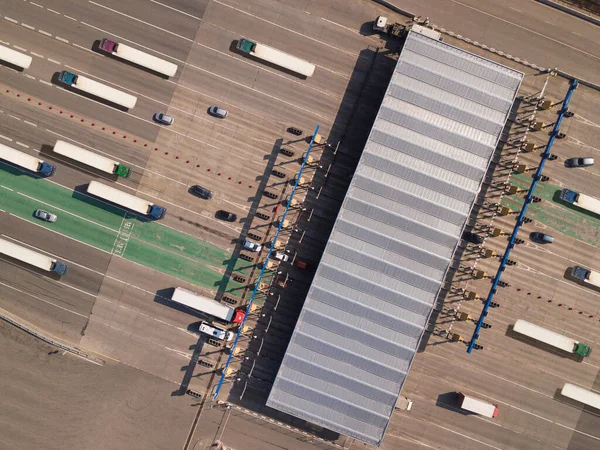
{"x":476,"y":406}
{"x":26,"y":161}
{"x":581,"y":200}
{"x":138,"y":57}
{"x":32,"y":257}
{"x":276,"y":57}
{"x":551,"y":338}
{"x":126,"y":200}
{"x":91,"y":159}
{"x":15,"y":58}
{"x":96,"y":89}
{"x":208,"y":306}
{"x":581,"y":395}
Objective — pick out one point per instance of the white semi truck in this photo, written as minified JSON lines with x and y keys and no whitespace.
{"x":208,"y":306}
{"x":551,"y":338}
{"x":91,"y":159}
{"x":96,"y":89}
{"x":581,"y":395}
{"x":126,"y":200}
{"x":276,"y":57}
{"x":32,"y":257}
{"x":581,"y":200}
{"x":588,"y":276}
{"x":138,"y":57}
{"x":26,"y":161}
{"x":476,"y":406}
{"x":15,"y":58}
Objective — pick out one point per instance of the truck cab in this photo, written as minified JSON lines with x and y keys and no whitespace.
{"x":581,"y":273}
{"x":60,"y":268}
{"x":157,"y":212}
{"x":108,"y":46}
{"x":67,"y":77}
{"x":122,"y":171}
{"x":568,"y":195}
{"x":245,"y":46}
{"x":47,"y":169}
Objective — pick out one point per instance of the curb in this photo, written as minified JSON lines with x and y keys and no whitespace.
{"x":570,"y":11}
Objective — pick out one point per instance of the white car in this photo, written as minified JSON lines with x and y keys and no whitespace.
{"x":251,"y":246}
{"x":45,"y":215}
{"x":215,"y":332}
{"x":282,"y":256}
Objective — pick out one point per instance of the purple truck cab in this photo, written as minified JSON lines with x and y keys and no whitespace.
{"x":108,"y":46}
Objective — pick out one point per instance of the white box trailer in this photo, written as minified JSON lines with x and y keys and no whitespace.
{"x":91,"y":159}
{"x":276,"y":57}
{"x":476,"y":406}
{"x":98,"y":89}
{"x":26,"y":161}
{"x":32,"y":257}
{"x":581,"y":395}
{"x":15,"y":58}
{"x":207,"y":305}
{"x":551,"y":338}
{"x":126,"y":200}
{"x":138,"y":57}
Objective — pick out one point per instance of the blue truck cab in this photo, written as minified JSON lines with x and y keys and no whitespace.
{"x":47,"y":169}
{"x":60,"y":268}
{"x":581,"y":273}
{"x":568,"y":195}
{"x":67,"y":77}
{"x":157,"y":212}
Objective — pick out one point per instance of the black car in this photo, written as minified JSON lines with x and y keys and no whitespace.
{"x":472,"y":237}
{"x":226,"y":215}
{"x":202,"y":192}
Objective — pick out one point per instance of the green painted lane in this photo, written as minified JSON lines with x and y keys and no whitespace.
{"x":554,"y":213}
{"x":111,"y":229}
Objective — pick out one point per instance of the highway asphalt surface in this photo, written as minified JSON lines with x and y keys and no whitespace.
{"x":114,"y":301}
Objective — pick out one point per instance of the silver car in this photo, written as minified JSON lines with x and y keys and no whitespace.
{"x":163,"y":118}
{"x":252,"y":246}
{"x":218,"y":112}
{"x":45,"y":215}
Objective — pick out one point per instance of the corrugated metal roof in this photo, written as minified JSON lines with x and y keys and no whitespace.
{"x":394,"y":237}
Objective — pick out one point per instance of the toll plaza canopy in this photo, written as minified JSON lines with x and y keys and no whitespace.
{"x":393,"y":240}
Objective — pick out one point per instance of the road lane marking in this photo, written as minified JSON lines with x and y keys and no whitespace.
{"x":5,"y":137}
{"x":69,"y":17}
{"x":28,"y":26}
{"x":35,"y":4}
{"x":45,"y":33}
{"x":41,"y":299}
{"x":175,"y":9}
{"x":10,"y":20}
{"x":21,"y":144}
{"x":52,"y":11}
{"x":54,"y":61}
{"x":46,"y":82}
{"x":20,"y":48}
{"x":61,"y":39}
{"x":575,"y":33}
{"x":515,"y":9}
{"x":30,"y":123}
{"x":526,"y":29}
{"x":141,"y":21}
{"x":29,"y":76}
{"x":37,"y":54}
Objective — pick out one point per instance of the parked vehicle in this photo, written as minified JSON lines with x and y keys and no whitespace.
{"x":208,"y":306}
{"x":163,"y":118}
{"x":32,"y":257}
{"x":15,"y":58}
{"x":26,"y":161}
{"x":472,"y":237}
{"x":542,"y":237}
{"x":277,"y":57}
{"x":126,"y":200}
{"x":44,"y":215}
{"x":202,"y":192}
{"x":551,"y":338}
{"x":586,"y":275}
{"x":476,"y":406}
{"x":138,"y":57}
{"x":581,"y":395}
{"x":217,"y":333}
{"x":579,"y":162}
{"x":100,"y":90}
{"x":251,"y":246}
{"x":92,"y":159}
{"x":281,"y":256}
{"x":581,"y":200}
{"x":218,"y":112}
{"x":226,"y":215}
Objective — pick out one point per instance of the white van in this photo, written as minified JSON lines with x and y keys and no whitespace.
{"x":216,"y":333}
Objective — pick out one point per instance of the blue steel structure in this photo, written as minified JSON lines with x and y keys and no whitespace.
{"x":287,"y":207}
{"x":513,"y":236}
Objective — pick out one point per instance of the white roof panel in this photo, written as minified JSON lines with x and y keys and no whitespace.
{"x":393,"y":240}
